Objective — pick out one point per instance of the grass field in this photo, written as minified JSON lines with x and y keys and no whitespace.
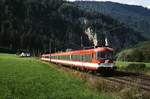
{"x":29,"y":78}
{"x":123,"y":66}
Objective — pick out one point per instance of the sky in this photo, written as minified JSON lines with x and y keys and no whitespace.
{"x":144,"y":3}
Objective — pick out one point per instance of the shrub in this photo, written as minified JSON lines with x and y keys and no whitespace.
{"x":136,"y":66}
{"x":139,"y":53}
{"x":132,"y":55}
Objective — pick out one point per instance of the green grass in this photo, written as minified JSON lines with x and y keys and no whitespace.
{"x":29,"y":78}
{"x":122,"y":66}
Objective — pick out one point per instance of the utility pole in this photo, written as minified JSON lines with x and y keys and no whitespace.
{"x":50,"y":45}
{"x":81,"y":42}
{"x":55,"y":45}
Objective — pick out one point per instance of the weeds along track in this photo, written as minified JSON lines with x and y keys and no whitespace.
{"x":130,"y":79}
{"x":123,"y":79}
{"x":127,"y":82}
{"x":118,"y":79}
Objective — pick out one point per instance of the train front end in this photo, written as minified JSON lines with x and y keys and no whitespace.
{"x":105,"y":59}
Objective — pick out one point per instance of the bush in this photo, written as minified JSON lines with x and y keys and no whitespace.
{"x":140,"y":53}
{"x":136,"y":66}
{"x":6,"y":50}
{"x":130,"y":55}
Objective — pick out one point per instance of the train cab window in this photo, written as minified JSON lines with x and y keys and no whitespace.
{"x":52,"y":57}
{"x":105,"y":55}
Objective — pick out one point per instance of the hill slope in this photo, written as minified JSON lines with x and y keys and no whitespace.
{"x":136,"y":17}
{"x":37,"y":26}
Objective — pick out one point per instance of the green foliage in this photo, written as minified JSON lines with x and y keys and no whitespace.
{"x":6,"y":50}
{"x":29,"y":78}
{"x":141,"y":53}
{"x":130,"y":55}
{"x":28,"y":25}
{"x":135,"y":66}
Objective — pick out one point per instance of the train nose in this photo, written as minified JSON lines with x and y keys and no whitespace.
{"x":106,"y":61}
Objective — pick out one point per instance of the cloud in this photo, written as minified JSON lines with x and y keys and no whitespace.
{"x":144,"y":3}
{"x":148,"y":6}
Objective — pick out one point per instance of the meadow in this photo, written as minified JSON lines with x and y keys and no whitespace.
{"x":124,"y":66}
{"x":29,"y":78}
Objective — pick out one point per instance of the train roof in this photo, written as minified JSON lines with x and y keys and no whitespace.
{"x":84,"y":51}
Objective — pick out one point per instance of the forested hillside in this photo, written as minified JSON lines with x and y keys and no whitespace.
{"x":38,"y":25}
{"x":136,"y":17}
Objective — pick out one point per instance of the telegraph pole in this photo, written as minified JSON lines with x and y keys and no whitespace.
{"x":50,"y":45}
{"x":81,"y":42}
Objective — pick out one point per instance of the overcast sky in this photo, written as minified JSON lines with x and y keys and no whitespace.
{"x":145,"y":3}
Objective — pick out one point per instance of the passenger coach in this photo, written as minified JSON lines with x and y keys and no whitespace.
{"x":96,"y":59}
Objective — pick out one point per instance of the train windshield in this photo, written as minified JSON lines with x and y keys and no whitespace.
{"x":104,"y":55}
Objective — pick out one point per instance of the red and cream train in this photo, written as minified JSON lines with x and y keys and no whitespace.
{"x":96,"y":59}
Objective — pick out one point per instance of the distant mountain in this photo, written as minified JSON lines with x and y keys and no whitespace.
{"x":136,"y":17}
{"x":41,"y":25}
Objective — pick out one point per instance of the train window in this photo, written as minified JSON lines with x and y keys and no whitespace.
{"x":65,"y":57}
{"x":68,"y":57}
{"x":76,"y":57}
{"x":105,"y":55}
{"x":72,"y":57}
{"x":87,"y":58}
{"x":80,"y":57}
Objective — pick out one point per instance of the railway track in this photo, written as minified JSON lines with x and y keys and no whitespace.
{"x":124,"y":79}
{"x":127,"y":82}
{"x":119,"y":78}
{"x":130,"y":79}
